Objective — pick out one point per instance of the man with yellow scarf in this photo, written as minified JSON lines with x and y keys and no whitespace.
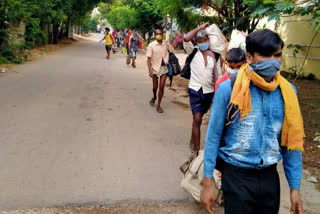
{"x":259,"y":122}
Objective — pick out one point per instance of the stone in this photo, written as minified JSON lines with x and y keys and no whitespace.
{"x":312,"y":179}
{"x":317,"y":139}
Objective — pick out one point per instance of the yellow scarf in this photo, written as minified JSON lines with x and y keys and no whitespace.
{"x":292,"y":129}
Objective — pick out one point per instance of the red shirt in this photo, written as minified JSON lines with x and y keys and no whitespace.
{"x":223,"y":78}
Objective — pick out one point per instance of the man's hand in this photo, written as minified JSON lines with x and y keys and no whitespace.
{"x":296,"y":203}
{"x":204,"y":26}
{"x":207,"y":195}
{"x":150,"y":74}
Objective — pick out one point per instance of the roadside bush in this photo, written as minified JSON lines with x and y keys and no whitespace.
{"x":4,"y":60}
{"x":13,"y":54}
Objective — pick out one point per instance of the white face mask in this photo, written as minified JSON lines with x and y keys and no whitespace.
{"x":232,"y":72}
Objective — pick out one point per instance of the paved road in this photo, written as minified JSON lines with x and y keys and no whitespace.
{"x":76,"y":128}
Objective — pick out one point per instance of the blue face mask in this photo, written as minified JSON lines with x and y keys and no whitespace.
{"x":232,"y":72}
{"x":267,"y":69}
{"x":204,"y":46}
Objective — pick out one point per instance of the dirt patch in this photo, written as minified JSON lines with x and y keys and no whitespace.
{"x":46,"y":49}
{"x":181,"y":104}
{"x":309,"y":98}
{"x":143,"y":208}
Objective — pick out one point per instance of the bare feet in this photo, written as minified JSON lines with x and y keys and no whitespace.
{"x":159,"y":109}
{"x":152,"y":101}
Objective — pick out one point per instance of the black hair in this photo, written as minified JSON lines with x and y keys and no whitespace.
{"x":236,"y":55}
{"x":159,"y":28}
{"x":264,"y":42}
{"x":107,"y":29}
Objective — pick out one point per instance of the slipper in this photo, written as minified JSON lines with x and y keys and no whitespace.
{"x":152,"y":101}
{"x":159,"y":110}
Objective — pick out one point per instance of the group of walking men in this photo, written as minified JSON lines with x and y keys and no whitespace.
{"x":255,"y":119}
{"x":129,"y":39}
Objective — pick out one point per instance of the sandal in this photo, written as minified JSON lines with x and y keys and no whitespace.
{"x":152,"y":101}
{"x":159,"y":110}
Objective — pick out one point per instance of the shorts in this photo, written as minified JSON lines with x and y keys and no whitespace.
{"x":200,"y":102}
{"x":108,"y":47}
{"x":163,"y":70}
{"x":133,"y":53}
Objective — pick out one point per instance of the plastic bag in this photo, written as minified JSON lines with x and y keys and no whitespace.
{"x":238,"y":40}
{"x":141,"y":44}
{"x":123,"y":50}
{"x":217,"y":41}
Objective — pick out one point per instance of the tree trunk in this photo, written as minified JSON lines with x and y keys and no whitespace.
{"x":56,"y":33}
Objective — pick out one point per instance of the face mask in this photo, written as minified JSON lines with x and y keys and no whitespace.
{"x":232,"y":72}
{"x":204,"y":46}
{"x":267,"y":69}
{"x":158,"y":37}
{"x":135,"y":34}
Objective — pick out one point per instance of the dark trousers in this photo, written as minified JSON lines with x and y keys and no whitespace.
{"x":251,"y":191}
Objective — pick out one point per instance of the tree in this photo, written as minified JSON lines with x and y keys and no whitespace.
{"x":119,"y":15}
{"x":241,"y":14}
{"x":149,"y":15}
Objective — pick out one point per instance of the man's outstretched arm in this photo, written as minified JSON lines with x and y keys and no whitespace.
{"x":192,"y":33}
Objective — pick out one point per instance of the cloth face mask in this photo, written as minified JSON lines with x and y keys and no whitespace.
{"x":232,"y":72}
{"x":267,"y":69}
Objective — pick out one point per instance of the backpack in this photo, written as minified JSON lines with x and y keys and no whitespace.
{"x":186,"y":70}
{"x":173,"y":67}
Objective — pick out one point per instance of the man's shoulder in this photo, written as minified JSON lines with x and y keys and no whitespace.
{"x":152,"y":44}
{"x":225,"y":86}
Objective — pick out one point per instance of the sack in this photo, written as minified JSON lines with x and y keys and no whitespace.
{"x":186,"y":70}
{"x":193,"y":175}
{"x":141,"y":44}
{"x":217,"y":41}
{"x":128,"y":60}
{"x":114,"y":49}
{"x":123,"y":50}
{"x":238,"y":40}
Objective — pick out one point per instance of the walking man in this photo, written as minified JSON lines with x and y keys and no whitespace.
{"x":264,"y":125}
{"x":109,"y":41}
{"x":133,"y":47}
{"x":158,"y":57}
{"x":205,"y":71}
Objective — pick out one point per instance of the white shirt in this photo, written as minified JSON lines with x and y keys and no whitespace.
{"x":201,"y":75}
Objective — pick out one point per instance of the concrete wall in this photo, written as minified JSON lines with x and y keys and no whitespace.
{"x":299,"y":30}
{"x":16,"y":33}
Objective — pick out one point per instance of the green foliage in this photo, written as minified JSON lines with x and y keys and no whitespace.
{"x":36,"y":14}
{"x":142,"y":15}
{"x":123,"y":17}
{"x":13,"y":53}
{"x":239,"y":14}
{"x":296,"y":48}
